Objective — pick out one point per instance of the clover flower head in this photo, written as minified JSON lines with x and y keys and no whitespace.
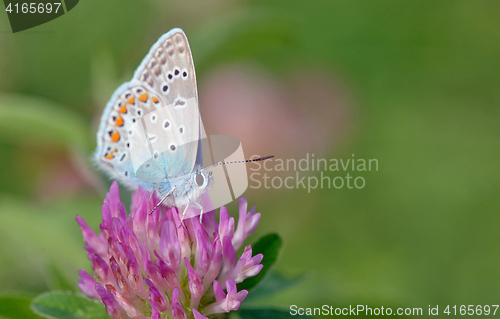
{"x":145,"y":266}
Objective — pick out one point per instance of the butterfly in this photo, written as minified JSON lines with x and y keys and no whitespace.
{"x":151,"y":134}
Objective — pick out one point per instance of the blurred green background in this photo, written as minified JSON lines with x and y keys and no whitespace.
{"x":415,"y":85}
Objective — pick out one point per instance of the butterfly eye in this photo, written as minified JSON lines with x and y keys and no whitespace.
{"x":172,"y":147}
{"x":170,"y":76}
{"x":199,"y":179}
{"x":177,"y":72}
{"x":184,"y":74}
{"x":166,"y":124}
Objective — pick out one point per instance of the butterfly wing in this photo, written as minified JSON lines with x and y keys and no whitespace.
{"x":119,"y":135}
{"x":150,"y":128}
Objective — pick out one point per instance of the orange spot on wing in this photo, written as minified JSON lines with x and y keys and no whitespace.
{"x":115,"y":136}
{"x":123,"y":109}
{"x":143,"y":97}
{"x":110,"y":155}
{"x":131,"y":100}
{"x":119,"y":121}
{"x":155,"y":99}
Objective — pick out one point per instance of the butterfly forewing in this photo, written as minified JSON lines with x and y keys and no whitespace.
{"x":168,"y":68}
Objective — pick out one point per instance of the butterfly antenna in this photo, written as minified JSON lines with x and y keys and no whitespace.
{"x":164,"y":197}
{"x":245,"y":161}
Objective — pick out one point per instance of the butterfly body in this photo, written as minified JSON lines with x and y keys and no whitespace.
{"x":150,"y":131}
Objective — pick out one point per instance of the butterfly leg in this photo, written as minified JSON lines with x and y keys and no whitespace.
{"x":152,"y":191}
{"x":201,"y":210}
{"x":164,"y":197}
{"x":183,"y":214}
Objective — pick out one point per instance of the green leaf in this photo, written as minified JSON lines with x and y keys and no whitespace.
{"x":270,"y":246}
{"x":16,"y":307}
{"x":41,"y":122}
{"x":273,"y":284}
{"x":266,"y":313}
{"x":67,"y":305}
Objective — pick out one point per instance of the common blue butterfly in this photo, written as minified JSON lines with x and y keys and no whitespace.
{"x":151,"y":133}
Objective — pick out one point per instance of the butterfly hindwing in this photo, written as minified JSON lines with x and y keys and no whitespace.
{"x":114,"y":143}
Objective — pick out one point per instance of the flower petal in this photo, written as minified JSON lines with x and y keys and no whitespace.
{"x":139,"y":224}
{"x":247,"y":266}
{"x":229,"y":255}
{"x":195,"y":284}
{"x":113,"y":198}
{"x":177,"y":310}
{"x":87,"y":283}
{"x":156,"y":298}
{"x":198,"y":315}
{"x":170,"y":246}
{"x":247,"y":223}
{"x":91,"y":239}
{"x":203,"y":254}
{"x":109,"y":301}
{"x":131,"y":311}
{"x":218,"y":292}
{"x":226,"y":223}
{"x":232,"y":300}
{"x":214,"y":269}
